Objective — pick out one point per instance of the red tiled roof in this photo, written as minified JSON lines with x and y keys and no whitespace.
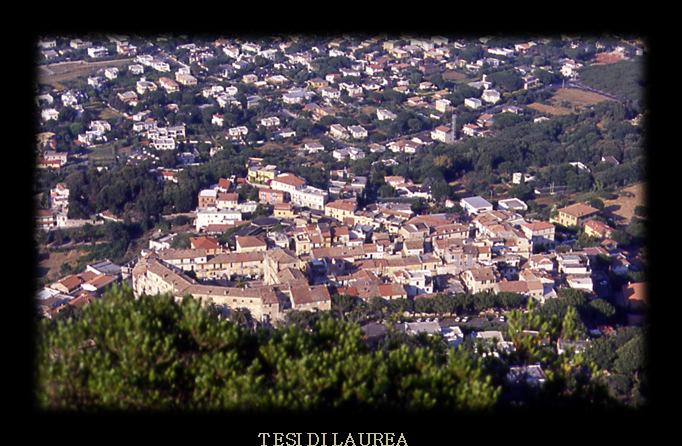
{"x":579,"y":210}
{"x":71,"y":282}
{"x":248,"y":241}
{"x":224,"y":183}
{"x":204,"y":242}
{"x":290,"y":179}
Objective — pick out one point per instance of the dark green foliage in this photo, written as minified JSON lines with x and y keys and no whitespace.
{"x":623,"y":355}
{"x":624,"y":79}
{"x":181,"y":241}
{"x":154,"y":353}
{"x":522,"y":191}
{"x":508,"y":80}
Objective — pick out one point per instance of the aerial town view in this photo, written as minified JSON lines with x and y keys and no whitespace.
{"x":305,"y":222}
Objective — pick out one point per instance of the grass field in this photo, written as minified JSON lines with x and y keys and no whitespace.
{"x":108,"y":113}
{"x":550,"y":109}
{"x":578,"y":98}
{"x":56,"y":74}
{"x":454,"y":76}
{"x":102,"y":154}
{"x":271,"y":146}
{"x":567,"y":100}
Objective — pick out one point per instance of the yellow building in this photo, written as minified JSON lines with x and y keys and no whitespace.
{"x":575,"y":215}
{"x":340,"y":209}
{"x":283,"y":210}
{"x":262,"y":175}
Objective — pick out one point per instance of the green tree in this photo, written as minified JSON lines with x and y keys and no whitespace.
{"x":572,"y":327}
{"x":181,"y":241}
{"x":154,"y":353}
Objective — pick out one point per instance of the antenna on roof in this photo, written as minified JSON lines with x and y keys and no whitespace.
{"x":454,"y":126}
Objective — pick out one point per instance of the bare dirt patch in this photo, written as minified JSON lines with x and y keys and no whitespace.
{"x":108,"y":113}
{"x":550,"y":109}
{"x":608,"y":58}
{"x":271,"y":146}
{"x":578,"y":98}
{"x":623,"y":208}
{"x":568,"y":100}
{"x":50,"y":265}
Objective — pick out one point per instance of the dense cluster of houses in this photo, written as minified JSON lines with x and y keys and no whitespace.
{"x":319,"y":241}
{"x":381,"y":250}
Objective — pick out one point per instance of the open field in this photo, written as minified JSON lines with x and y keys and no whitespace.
{"x":608,"y":58}
{"x":550,"y":109}
{"x":454,"y":76}
{"x":102,"y":153}
{"x":566,"y":100}
{"x":624,"y":207}
{"x":108,"y":113}
{"x":368,"y":110}
{"x":578,"y":98}
{"x":57,"y":73}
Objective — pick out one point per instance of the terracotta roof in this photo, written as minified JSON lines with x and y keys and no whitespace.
{"x":101,"y":281}
{"x":598,"y":226}
{"x":247,"y":241}
{"x":391,"y":289}
{"x":227,"y":196}
{"x":238,"y":257}
{"x":413,"y":244}
{"x":82,"y":299}
{"x":481,"y":274}
{"x":538,"y":225}
{"x":291,"y":275}
{"x":282,"y":256}
{"x":174,"y":254}
{"x":301,"y":295}
{"x":71,"y":282}
{"x":344,"y":205}
{"x":204,"y":242}
{"x":290,"y":179}
{"x":579,"y":210}
{"x":513,"y":286}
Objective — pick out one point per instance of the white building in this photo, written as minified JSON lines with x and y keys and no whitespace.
{"x":475,"y":205}
{"x":97,"y":51}
{"x":512,"y":204}
{"x":442,"y":133}
{"x":310,"y":197}
{"x":491,"y":96}
{"x":111,"y":73}
{"x":49,"y":114}
{"x":163,"y":144}
{"x":270,"y":122}
{"x":383,"y":114}
{"x":473,"y":103}
{"x":209,"y":216}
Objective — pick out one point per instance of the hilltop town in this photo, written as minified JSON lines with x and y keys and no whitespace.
{"x":453,"y":180}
